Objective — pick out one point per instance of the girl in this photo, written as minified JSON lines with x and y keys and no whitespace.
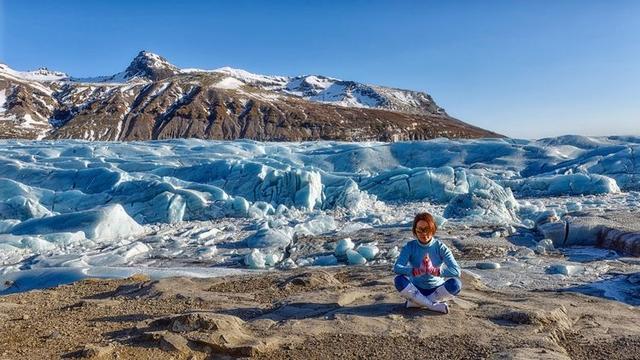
{"x":422,"y":266}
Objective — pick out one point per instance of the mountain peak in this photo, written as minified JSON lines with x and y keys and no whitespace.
{"x":42,"y":74}
{"x":150,"y":66}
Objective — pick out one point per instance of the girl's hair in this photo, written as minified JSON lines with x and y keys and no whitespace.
{"x":432,"y":228}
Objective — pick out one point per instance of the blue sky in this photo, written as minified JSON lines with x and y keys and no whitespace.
{"x":522,"y":68}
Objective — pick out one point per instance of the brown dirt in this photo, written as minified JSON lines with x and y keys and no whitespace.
{"x":312,"y":314}
{"x":349,"y":346}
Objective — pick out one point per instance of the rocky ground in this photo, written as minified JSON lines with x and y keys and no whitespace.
{"x":309,"y":313}
{"x":519,"y":301}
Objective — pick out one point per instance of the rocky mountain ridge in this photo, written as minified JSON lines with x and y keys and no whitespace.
{"x":154,"y":99}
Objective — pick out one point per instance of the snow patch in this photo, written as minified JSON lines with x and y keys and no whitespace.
{"x":42,"y":74}
{"x":229,"y":83}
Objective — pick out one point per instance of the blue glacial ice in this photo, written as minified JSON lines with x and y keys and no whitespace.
{"x":325,"y":260}
{"x":344,"y":245}
{"x":74,"y":197}
{"x":369,"y":252}
{"x":355,"y":258}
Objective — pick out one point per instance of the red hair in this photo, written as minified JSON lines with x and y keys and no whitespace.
{"x":431,"y":223}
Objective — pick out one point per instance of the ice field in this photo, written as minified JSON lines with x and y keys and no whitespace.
{"x":74,"y":209}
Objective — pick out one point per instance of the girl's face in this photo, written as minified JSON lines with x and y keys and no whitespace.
{"x":422,"y":232}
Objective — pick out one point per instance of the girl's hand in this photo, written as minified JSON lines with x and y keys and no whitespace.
{"x":429,"y":268}
{"x":426,"y":267}
{"x":419,"y":271}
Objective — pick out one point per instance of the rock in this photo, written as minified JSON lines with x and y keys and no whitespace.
{"x":524,"y":253}
{"x":235,"y":344}
{"x":263,"y":324}
{"x":171,"y":342}
{"x":349,"y":297}
{"x":204,"y":321}
{"x":472,"y":280}
{"x":313,"y":279}
{"x":624,"y":242}
{"x":488,"y":265}
{"x":219,"y":332}
{"x":93,"y":351}
{"x":556,"y":318}
{"x":54,"y":334}
{"x":150,"y":66}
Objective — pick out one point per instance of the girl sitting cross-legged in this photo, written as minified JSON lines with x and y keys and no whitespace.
{"x":428,"y":275}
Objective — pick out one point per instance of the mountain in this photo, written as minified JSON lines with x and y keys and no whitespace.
{"x":144,"y":67}
{"x":154,"y":99}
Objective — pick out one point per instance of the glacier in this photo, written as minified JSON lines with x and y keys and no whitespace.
{"x":244,"y":203}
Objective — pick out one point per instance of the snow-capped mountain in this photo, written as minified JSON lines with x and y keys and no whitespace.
{"x":154,"y":99}
{"x":42,"y":74}
{"x":145,"y":67}
{"x":324,"y":89}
